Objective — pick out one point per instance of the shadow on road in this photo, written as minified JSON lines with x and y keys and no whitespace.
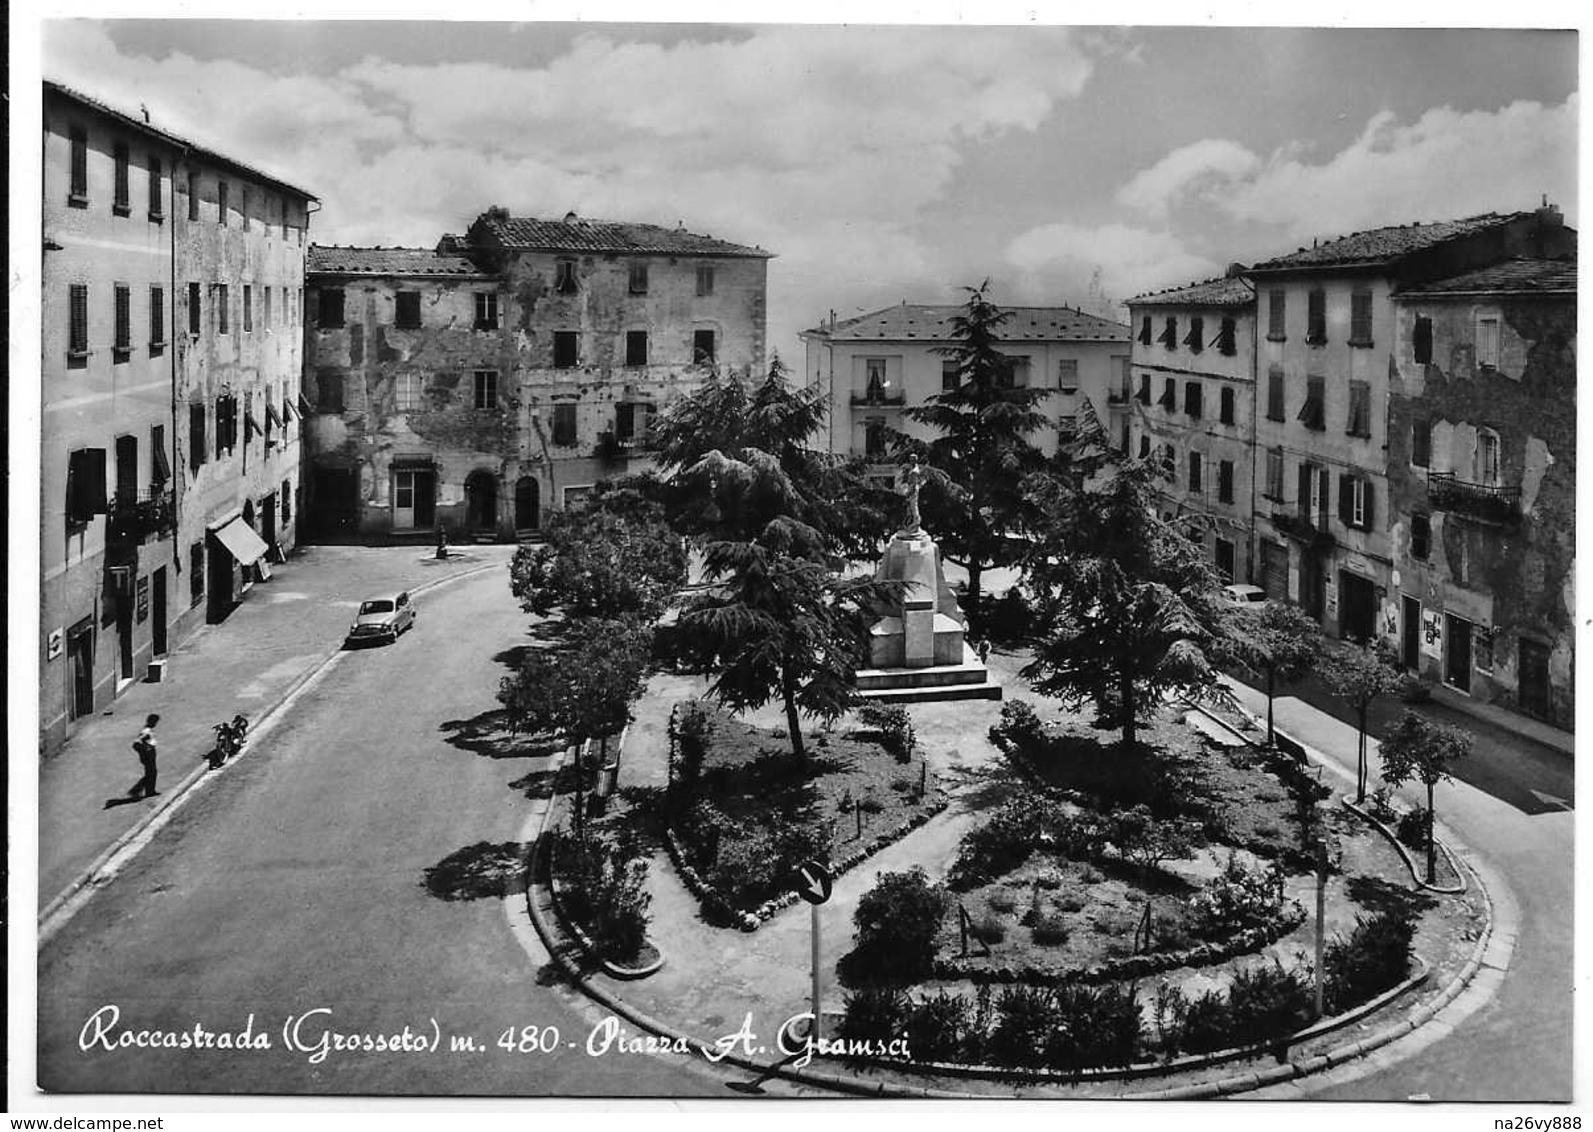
{"x":483,"y":871}
{"x":488,"y":734}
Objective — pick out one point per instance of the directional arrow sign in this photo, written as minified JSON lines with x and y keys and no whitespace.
{"x":813,"y":882}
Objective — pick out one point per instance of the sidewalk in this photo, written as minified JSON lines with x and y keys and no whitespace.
{"x":281,"y":633}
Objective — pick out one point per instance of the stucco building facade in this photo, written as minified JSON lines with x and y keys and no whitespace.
{"x":475,"y":385}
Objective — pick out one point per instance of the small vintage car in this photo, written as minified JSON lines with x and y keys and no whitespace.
{"x":382,"y":619}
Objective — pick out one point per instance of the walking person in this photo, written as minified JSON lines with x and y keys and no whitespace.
{"x":144,"y":745}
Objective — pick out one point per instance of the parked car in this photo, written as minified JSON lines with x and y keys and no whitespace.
{"x":1241,"y":593}
{"x":382,"y":618}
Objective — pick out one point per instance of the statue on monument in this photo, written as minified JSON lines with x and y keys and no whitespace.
{"x":911,"y":480}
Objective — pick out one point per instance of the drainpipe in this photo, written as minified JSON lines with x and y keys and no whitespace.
{"x":1255,"y":408}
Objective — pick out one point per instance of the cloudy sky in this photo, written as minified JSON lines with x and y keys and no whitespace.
{"x":1076,"y":166}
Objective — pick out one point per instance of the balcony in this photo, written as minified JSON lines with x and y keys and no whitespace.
{"x":879,"y":399}
{"x":1486,"y":503}
{"x":136,"y":517}
{"x":1300,"y":528}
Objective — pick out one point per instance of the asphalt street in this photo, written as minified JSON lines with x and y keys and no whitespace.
{"x":345,"y":878}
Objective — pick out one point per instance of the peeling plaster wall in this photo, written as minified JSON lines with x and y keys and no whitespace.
{"x":1515,"y":579}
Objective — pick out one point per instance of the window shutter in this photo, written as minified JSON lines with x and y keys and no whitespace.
{"x":1305,"y":488}
{"x":1368,"y":522}
{"x":1346,"y":515}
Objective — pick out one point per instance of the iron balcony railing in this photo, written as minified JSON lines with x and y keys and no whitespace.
{"x":1301,"y":528}
{"x":882,"y":399}
{"x":1490,"y":503}
{"x":135,"y":516}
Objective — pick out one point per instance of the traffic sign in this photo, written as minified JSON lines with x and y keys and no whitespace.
{"x":813,"y":882}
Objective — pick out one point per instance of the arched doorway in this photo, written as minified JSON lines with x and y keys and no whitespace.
{"x":481,"y":500}
{"x":527,"y":504}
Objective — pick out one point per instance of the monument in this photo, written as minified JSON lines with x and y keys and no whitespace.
{"x":917,"y":647}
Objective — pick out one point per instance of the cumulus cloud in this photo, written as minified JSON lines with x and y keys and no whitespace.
{"x":1201,"y":167}
{"x":1116,"y":261}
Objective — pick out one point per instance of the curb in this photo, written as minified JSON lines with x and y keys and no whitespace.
{"x":55,"y":915}
{"x":1410,"y":863}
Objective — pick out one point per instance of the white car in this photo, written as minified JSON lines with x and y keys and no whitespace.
{"x":382,"y":618}
{"x":1241,"y":593}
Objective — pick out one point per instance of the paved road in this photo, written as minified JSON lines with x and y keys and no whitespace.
{"x":352,"y":864}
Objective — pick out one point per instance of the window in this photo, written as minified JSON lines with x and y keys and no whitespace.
{"x":1194,"y":472}
{"x":1421,"y":536}
{"x":193,"y":196}
{"x":330,"y":314}
{"x":1360,"y":420}
{"x":1277,"y":307}
{"x":639,"y":277}
{"x":221,"y":203}
{"x":1169,"y":461}
{"x":950,"y":376}
{"x":1144,"y":447}
{"x":1067,"y":375}
{"x":265,"y":314}
{"x":77,"y":189}
{"x":874,"y":438}
{"x":1227,"y":338}
{"x":1311,"y":492}
{"x":705,"y":279}
{"x":1192,"y":399}
{"x":1275,"y":393}
{"x":248,"y":308}
{"x":196,"y":572}
{"x":1421,"y":341}
{"x":1225,"y":406}
{"x":123,"y":344}
{"x":121,"y":201}
{"x":197,"y":452}
{"x":127,"y":467}
{"x":875,"y":388}
{"x":1224,"y":548}
{"x":1169,"y":398}
{"x":245,"y":208}
{"x":406,"y":392}
{"x":1312,"y":413}
{"x":486,"y":310}
{"x":1169,"y":336}
{"x":486,"y":389}
{"x":157,"y":209}
{"x":564,"y":281}
{"x":407,"y":315}
{"x":1355,"y":502}
{"x":636,"y":347}
{"x":1316,"y":317}
{"x":77,"y":349}
{"x":286,"y":495}
{"x":1274,"y":474}
{"x":1144,"y":389}
{"x":625,"y":422}
{"x":1145,"y":331}
{"x":1421,"y":443}
{"x":1485,"y":461}
{"x":226,"y":424}
{"x":564,"y":425}
{"x":1225,"y":481}
{"x":1488,"y":343}
{"x":566,"y":349}
{"x":157,"y":320}
{"x":222,"y":308}
{"x":85,"y":485}
{"x":1196,"y":338}
{"x":195,"y":309}
{"x":160,"y":466}
{"x":703,"y":352}
{"x":329,"y":393}
{"x":1361,"y":318}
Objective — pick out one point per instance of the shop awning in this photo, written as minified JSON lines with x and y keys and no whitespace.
{"x":241,"y":541}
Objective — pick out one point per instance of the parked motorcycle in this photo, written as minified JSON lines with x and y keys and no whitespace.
{"x":230,"y":736}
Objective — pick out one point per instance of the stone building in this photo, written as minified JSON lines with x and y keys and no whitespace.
{"x":473,"y":386}
{"x":1482,"y":478}
{"x":1328,"y":348}
{"x":125,"y":514}
{"x":875,"y":366}
{"x":1191,"y":405}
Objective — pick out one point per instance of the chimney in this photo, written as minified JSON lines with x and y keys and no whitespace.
{"x":1235,"y":270}
{"x":497,"y":212}
{"x":1549,"y":215}
{"x":570,"y":217}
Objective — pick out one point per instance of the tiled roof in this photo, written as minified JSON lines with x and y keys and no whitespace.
{"x":579,"y":234}
{"x":172,"y":139}
{"x":1523,"y":275}
{"x":1226,"y":291}
{"x":332,"y":260}
{"x":933,"y":323}
{"x":1382,"y":245}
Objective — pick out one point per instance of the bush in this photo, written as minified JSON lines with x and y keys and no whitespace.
{"x":1050,"y":930}
{"x":1020,"y":723}
{"x":893,"y":725}
{"x":692,"y":727}
{"x":1265,"y":1003}
{"x":1148,"y":841}
{"x":1012,"y":833}
{"x":1412,"y":829}
{"x":874,"y":1014}
{"x":1093,"y":1026}
{"x":1022,"y":1030}
{"x":1380,"y":805}
{"x":603,"y":889}
{"x":1003,"y":900}
{"x":1374,"y":958}
{"x":936,"y":1028}
{"x":897,"y":921}
{"x":988,"y":929}
{"x":1237,"y":898}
